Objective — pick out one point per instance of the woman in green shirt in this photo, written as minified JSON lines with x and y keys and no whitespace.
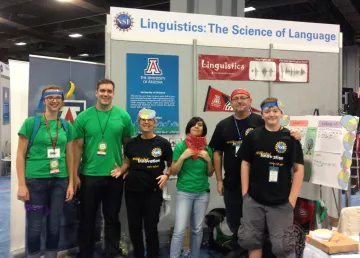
{"x":44,"y":165}
{"x":193,"y":162}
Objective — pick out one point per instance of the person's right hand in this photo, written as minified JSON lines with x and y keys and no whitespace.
{"x":220,"y":187}
{"x":187,"y":153}
{"x":23,"y":193}
{"x":116,"y":172}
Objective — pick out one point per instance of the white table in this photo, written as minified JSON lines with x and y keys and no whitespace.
{"x":314,"y":252}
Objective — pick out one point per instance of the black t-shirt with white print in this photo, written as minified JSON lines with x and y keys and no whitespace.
{"x":271,"y":156}
{"x":225,"y":138}
{"x":147,"y":162}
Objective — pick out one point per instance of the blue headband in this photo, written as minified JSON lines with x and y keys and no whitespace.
{"x":60,"y":93}
{"x":271,"y":104}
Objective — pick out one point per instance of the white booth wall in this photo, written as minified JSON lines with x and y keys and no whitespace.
{"x":323,"y":92}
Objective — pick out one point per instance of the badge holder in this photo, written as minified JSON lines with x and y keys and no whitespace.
{"x":273,"y":174}
{"x":54,"y":166}
{"x":237,"y":147}
{"x":102,"y":149}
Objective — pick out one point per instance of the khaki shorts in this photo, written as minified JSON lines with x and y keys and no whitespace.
{"x":279,"y":221}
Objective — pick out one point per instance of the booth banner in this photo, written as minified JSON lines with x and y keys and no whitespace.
{"x":152,"y":81}
{"x":327,"y":143}
{"x":216,"y":101}
{"x":6,"y":106}
{"x":238,"y":68}
{"x":183,"y":28}
{"x":77,"y":79}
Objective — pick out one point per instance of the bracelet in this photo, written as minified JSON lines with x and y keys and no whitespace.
{"x":166,"y":174}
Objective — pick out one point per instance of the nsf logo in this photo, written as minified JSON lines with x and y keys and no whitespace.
{"x":156,"y":152}
{"x":123,"y":21}
{"x":280,"y":147}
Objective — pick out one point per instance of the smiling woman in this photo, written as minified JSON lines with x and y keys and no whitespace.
{"x":145,"y":159}
{"x":44,"y":167}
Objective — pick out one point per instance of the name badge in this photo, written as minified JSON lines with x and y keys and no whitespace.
{"x":53,"y":153}
{"x":237,"y":147}
{"x":54,"y":166}
{"x":102,"y":149}
{"x":273,"y":174}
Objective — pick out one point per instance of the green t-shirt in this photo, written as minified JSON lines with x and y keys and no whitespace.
{"x":37,"y":162}
{"x":193,"y":175}
{"x":116,"y":125}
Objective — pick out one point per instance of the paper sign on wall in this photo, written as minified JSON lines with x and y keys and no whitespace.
{"x":327,"y":143}
{"x":152,"y":81}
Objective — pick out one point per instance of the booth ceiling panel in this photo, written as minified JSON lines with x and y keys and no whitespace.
{"x":45,"y":25}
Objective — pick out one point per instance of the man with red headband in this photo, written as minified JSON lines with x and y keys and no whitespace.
{"x":226,"y":141}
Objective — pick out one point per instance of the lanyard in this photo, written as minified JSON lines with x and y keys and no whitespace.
{"x":237,"y":128}
{"x":53,"y":141}
{"x":103,"y":131}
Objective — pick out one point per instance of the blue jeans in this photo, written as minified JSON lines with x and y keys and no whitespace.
{"x":194,"y":204}
{"x":47,"y":196}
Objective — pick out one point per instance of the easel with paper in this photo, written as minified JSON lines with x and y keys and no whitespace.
{"x":327,"y":143}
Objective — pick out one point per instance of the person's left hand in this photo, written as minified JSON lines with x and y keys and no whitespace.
{"x":69,"y":193}
{"x":205,"y":155}
{"x":296,"y":134}
{"x":162,"y":181}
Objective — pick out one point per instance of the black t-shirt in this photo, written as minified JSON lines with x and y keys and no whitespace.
{"x":225,"y":138}
{"x":268,"y":152}
{"x":147,"y":162}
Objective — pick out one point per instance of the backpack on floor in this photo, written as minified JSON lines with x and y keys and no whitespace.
{"x":220,"y":237}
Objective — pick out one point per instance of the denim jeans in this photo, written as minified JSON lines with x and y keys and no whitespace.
{"x":194,"y":204}
{"x":47,"y":196}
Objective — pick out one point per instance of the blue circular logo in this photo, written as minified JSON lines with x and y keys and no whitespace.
{"x":156,"y":152}
{"x":124,"y":21}
{"x":281,"y":147}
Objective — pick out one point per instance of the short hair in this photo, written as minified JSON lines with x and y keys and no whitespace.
{"x":193,"y":121}
{"x":268,"y":100}
{"x":104,"y":81}
{"x":52,"y":87}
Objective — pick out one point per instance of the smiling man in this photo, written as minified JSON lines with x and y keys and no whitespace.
{"x":101,"y":131}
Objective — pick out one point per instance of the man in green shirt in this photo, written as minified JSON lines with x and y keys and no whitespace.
{"x":101,"y":131}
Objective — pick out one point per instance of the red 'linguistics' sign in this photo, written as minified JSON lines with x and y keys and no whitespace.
{"x":237,"y":68}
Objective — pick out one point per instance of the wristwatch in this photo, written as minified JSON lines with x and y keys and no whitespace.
{"x":166,"y":174}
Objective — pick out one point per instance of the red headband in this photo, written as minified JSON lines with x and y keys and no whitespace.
{"x":240,"y":91}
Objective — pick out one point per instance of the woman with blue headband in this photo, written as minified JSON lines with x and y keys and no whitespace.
{"x":44,"y":167}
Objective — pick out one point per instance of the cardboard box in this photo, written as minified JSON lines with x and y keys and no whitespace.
{"x":337,"y":244}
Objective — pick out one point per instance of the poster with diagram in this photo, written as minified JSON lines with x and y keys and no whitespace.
{"x":327,"y":143}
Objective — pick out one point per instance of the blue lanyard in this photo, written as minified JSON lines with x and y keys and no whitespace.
{"x":237,"y":128}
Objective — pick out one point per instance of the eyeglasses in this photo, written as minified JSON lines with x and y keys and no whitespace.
{"x":243,"y":98}
{"x":51,"y":98}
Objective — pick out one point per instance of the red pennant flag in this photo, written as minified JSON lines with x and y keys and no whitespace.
{"x":216,"y":101}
